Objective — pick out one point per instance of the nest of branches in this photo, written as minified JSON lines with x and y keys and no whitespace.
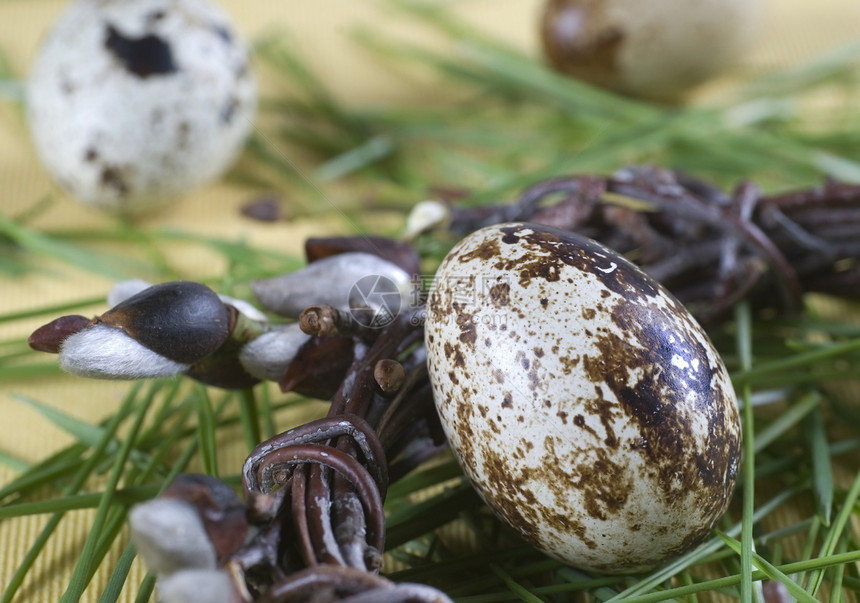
{"x":709,"y":247}
{"x":311,"y":526}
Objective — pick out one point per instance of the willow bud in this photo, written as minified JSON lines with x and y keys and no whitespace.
{"x":183,"y":321}
{"x":397,"y":252}
{"x":103,"y":352}
{"x":331,"y":280}
{"x":170,"y":536}
{"x":196,"y":585}
{"x":268,"y":356}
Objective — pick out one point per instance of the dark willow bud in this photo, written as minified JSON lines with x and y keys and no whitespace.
{"x":181,"y":320}
{"x":220,"y":508}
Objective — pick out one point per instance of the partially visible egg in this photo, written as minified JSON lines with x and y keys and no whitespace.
{"x":656,"y":49}
{"x":134,"y":103}
{"x":588,"y":408}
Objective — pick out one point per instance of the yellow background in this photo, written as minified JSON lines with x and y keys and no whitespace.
{"x":793,"y":30}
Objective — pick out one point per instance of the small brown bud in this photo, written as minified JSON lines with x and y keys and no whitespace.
{"x":389,"y":375}
{"x":50,"y":337}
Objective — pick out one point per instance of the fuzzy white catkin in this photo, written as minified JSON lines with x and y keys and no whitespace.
{"x":196,"y":586}
{"x":103,"y":352}
{"x":170,"y":536}
{"x":122,"y":290}
{"x":426,"y":216}
{"x":328,"y":281}
{"x":268,"y":356}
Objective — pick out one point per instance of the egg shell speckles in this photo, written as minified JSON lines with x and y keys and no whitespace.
{"x":132,"y":104}
{"x":589,"y":409}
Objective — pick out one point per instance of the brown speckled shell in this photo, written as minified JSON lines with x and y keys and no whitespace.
{"x":586,"y":405}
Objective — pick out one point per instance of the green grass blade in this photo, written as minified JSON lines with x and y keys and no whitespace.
{"x":206,"y":431}
{"x":794,"y":362}
{"x":40,"y":244}
{"x":785,"y":421}
{"x":269,"y":429}
{"x":61,"y":463}
{"x":86,"y":433}
{"x":418,"y":519}
{"x":113,"y":589}
{"x":85,"y":565}
{"x":22,"y":372}
{"x":53,"y":309}
{"x":419,"y":480}
{"x":835,"y":534}
{"x":771,"y":571}
{"x":836,"y":594}
{"x":13,"y":462}
{"x":120,"y":573}
{"x":743,"y":317}
{"x":250,"y":417}
{"x":729,"y":581}
{"x":147,"y":586}
{"x":822,"y":473}
{"x":77,"y":482}
{"x":74,"y":502}
{"x":522,"y":593}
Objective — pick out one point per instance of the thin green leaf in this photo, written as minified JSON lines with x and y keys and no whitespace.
{"x":721,"y":583}
{"x":822,"y":473}
{"x":52,"y":310}
{"x":206,"y":431}
{"x":771,"y":571}
{"x":74,"y":502}
{"x":835,"y":533}
{"x":85,"y":565}
{"x":86,"y":433}
{"x":13,"y":462}
{"x":423,"y":517}
{"x":250,"y":417}
{"x":58,"y":464}
{"x":113,"y":589}
{"x":147,"y":586}
{"x":743,"y":318}
{"x":793,"y":415}
{"x":836,"y":593}
{"x":795,"y":361}
{"x":22,"y":372}
{"x":77,"y":482}
{"x":420,"y":480}
{"x":355,"y":159}
{"x":517,"y":589}
{"x":43,"y":245}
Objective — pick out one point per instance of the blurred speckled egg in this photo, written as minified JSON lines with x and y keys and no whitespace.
{"x":655,"y":49}
{"x":586,"y":405}
{"x":133,"y":103}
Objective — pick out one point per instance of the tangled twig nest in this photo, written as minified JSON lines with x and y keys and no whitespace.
{"x":311,"y":526}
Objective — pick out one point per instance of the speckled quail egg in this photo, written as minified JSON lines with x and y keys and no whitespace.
{"x":655,"y":49}
{"x":133,"y":103}
{"x":588,"y":408}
